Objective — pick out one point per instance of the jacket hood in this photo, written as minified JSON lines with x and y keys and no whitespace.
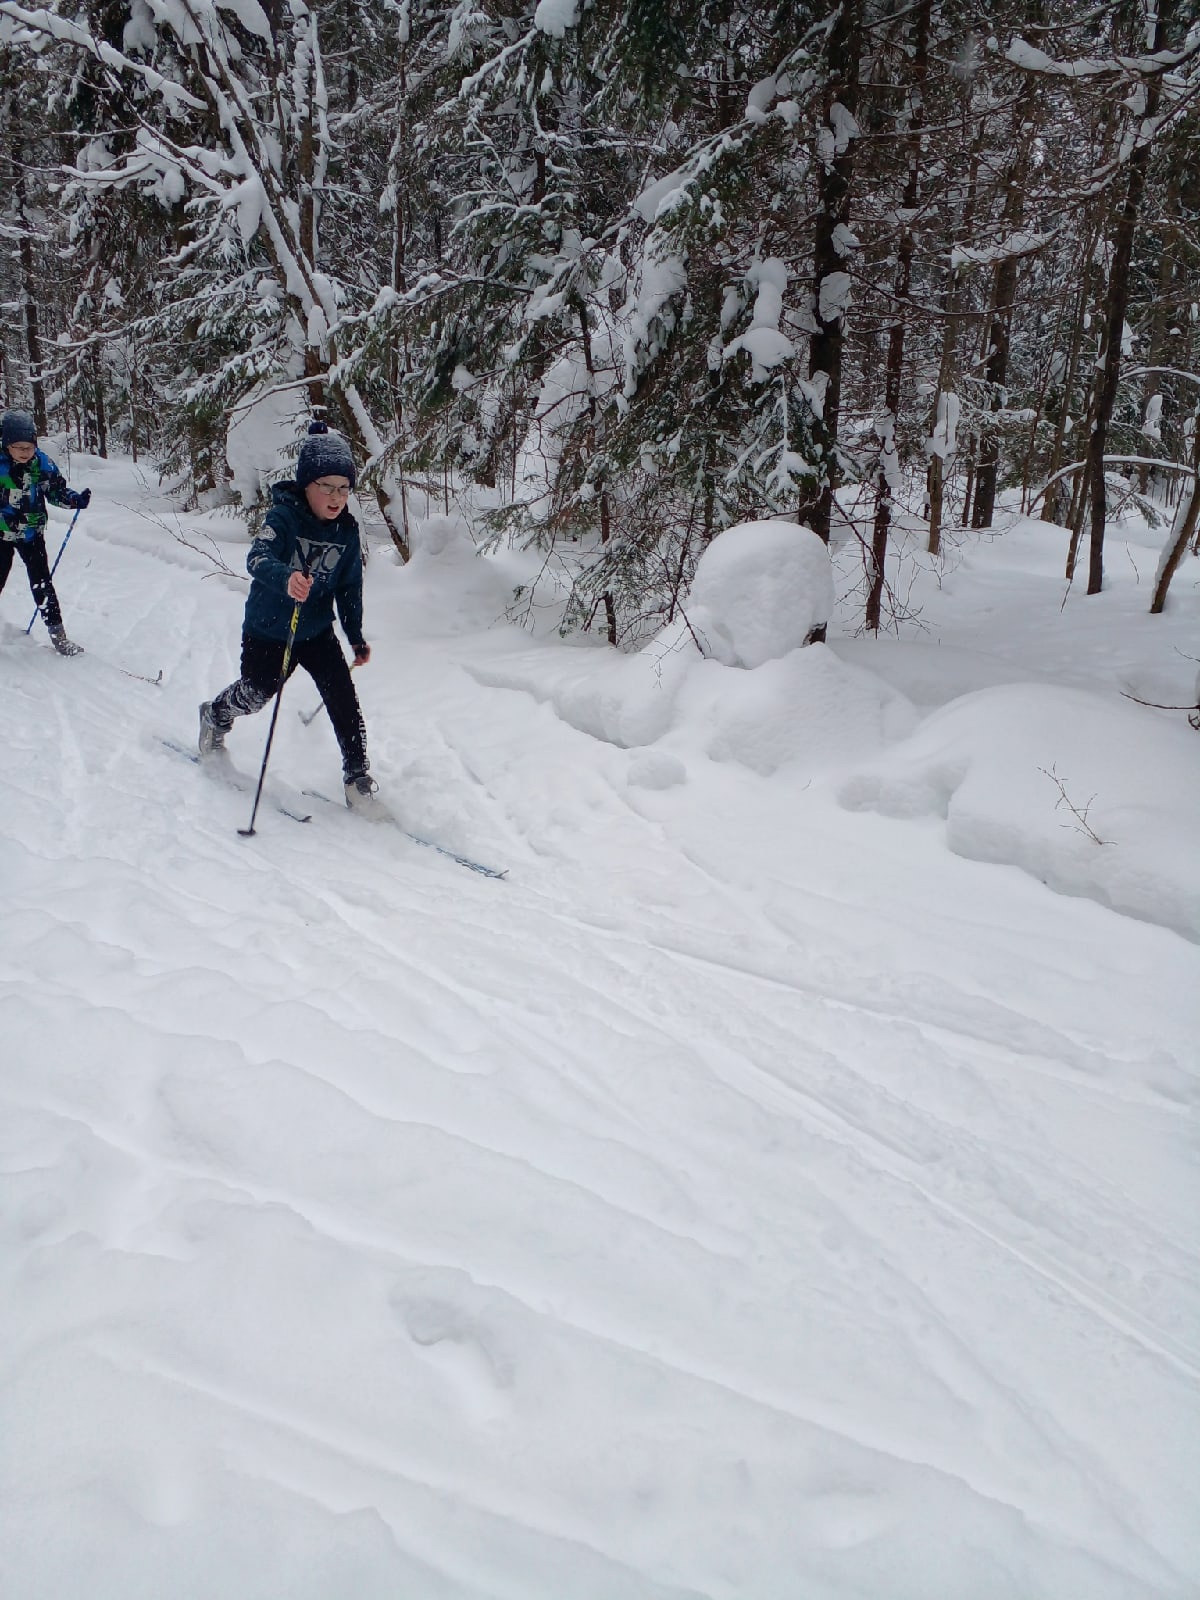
{"x":287,"y":493}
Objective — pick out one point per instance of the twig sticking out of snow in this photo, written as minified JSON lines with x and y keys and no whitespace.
{"x":1081,"y":824}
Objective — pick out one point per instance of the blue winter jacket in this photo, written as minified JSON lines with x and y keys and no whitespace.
{"x":24,"y":491}
{"x":294,"y":540}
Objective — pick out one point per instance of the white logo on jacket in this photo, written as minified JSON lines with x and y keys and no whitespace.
{"x":318,"y":556}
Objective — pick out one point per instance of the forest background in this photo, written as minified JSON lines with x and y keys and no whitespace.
{"x":623,"y":273}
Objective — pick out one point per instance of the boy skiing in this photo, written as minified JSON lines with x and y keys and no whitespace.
{"x":306,"y":561}
{"x":28,"y":479}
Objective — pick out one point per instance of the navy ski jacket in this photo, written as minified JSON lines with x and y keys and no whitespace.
{"x":294,"y":540}
{"x":24,"y":491}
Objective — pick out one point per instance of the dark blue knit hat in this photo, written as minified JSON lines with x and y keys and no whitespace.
{"x":18,"y":428}
{"x":323,"y":455}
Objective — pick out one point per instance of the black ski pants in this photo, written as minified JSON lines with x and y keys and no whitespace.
{"x":37,"y":565}
{"x":322,"y":659}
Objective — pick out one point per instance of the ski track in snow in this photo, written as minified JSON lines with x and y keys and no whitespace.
{"x":630,"y":1228}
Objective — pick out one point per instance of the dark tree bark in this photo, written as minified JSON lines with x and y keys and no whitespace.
{"x":29,"y":291}
{"x":1004,"y":289}
{"x":935,"y":480}
{"x":895,"y":355}
{"x":834,"y":187}
{"x":1118,"y":304}
{"x":1186,"y":526}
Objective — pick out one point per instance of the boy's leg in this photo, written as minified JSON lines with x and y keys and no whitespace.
{"x":6,"y":560}
{"x":262,"y":661}
{"x":323,"y":660}
{"x":37,"y":565}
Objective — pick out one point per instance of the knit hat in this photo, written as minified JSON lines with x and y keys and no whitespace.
{"x":323,"y":454}
{"x":18,"y":428}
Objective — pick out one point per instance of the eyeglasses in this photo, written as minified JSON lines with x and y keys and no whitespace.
{"x":339,"y":490}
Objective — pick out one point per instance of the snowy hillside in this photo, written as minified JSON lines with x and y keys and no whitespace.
{"x":783,"y":1185}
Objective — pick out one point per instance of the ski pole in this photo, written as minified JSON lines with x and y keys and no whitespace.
{"x":57,"y":559}
{"x":309,"y":717}
{"x":248,"y":833}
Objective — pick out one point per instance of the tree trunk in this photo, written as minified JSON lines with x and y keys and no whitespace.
{"x":1187,"y":523}
{"x":591,"y":444}
{"x":29,"y":288}
{"x":1118,"y":303}
{"x":1161,"y":314}
{"x":1070,"y":375}
{"x":1004,"y":290}
{"x":836,"y":169}
{"x":889,"y":462}
{"x":98,"y":405}
{"x":936,"y":476}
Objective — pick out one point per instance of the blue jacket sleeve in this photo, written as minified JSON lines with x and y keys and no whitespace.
{"x":349,"y":596}
{"x":53,"y":485}
{"x":270,"y":556}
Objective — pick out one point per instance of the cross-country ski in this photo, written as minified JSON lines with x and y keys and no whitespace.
{"x":383,"y":815}
{"x":219,"y":769}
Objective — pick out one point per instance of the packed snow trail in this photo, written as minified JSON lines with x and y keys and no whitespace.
{"x":746,"y":1198}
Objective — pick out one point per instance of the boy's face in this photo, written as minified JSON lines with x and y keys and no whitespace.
{"x":22,"y":451}
{"x":327,"y":497}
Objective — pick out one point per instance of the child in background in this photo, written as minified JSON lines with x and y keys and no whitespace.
{"x":28,"y":479}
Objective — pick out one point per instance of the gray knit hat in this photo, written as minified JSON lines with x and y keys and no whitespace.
{"x":18,"y":428}
{"x":323,"y":454}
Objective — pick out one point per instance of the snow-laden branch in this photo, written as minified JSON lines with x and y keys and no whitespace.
{"x":495,"y":65}
{"x":45,"y":23}
{"x":1156,"y":462}
{"x":1166,"y":372}
{"x":1029,"y":58}
{"x":1024,"y":242}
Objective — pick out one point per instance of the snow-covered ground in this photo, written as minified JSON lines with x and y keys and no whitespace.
{"x":783,"y":1185}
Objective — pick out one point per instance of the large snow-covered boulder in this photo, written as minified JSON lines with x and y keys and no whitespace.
{"x":759,"y":591}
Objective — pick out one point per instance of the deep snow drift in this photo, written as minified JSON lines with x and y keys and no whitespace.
{"x":782,"y":1185}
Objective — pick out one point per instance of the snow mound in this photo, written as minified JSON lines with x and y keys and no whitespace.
{"x":449,"y":588}
{"x":760,"y":589}
{"x":622,"y":700}
{"x":438,"y":534}
{"x":1005,"y":766}
{"x":804,"y":713}
{"x":654,"y":769}
{"x":931,"y":674}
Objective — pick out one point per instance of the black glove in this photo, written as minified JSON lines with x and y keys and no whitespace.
{"x":82,"y":500}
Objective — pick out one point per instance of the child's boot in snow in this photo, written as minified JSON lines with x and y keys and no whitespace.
{"x":62,"y":644}
{"x":212,"y":733}
{"x":362,"y":795}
